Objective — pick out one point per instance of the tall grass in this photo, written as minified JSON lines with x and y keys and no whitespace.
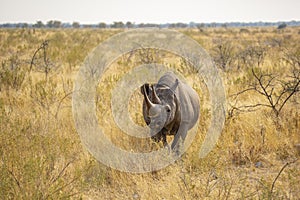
{"x":42,"y":156}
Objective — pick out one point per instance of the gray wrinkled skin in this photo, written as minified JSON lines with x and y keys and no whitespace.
{"x":170,"y":107}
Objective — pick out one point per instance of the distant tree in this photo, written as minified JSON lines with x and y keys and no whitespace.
{"x":39,"y":24}
{"x":282,"y":26}
{"x":117,"y":25}
{"x":200,"y":27}
{"x":22,"y":25}
{"x":56,"y":24}
{"x":173,"y":25}
{"x":50,"y":24}
{"x":129,"y":25}
{"x":87,"y":26}
{"x":102,"y":25}
{"x":142,"y":25}
{"x":213,"y":24}
{"x":76,"y":25}
{"x":66,"y":25}
{"x":178,"y":25}
{"x":25,"y":25}
{"x":53,"y":24}
{"x":224,"y":25}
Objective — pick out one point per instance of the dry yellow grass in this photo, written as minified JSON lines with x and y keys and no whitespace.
{"x":42,"y":156}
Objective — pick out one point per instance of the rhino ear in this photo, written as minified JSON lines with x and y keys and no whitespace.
{"x":147,"y":87}
{"x":173,"y":88}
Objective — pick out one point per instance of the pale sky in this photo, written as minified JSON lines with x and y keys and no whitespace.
{"x":149,"y":11}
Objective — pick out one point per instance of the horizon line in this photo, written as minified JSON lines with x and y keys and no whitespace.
{"x":126,"y":21}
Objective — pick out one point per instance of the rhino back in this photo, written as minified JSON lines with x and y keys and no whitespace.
{"x":187,"y":96}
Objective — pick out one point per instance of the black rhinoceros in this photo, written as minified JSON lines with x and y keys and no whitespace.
{"x":170,"y":107}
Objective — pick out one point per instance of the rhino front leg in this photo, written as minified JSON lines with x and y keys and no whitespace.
{"x":175,"y":141}
{"x":182,"y":132}
{"x":166,"y":145}
{"x":164,"y":139}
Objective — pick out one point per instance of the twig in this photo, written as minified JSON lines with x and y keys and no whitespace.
{"x":60,"y":102}
{"x":53,"y":180}
{"x":15,"y":178}
{"x":284,"y":166}
{"x":43,"y":46}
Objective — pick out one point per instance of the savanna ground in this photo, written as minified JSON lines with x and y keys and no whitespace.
{"x":256,"y":157}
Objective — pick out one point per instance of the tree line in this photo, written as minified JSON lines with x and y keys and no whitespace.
{"x":120,"y":24}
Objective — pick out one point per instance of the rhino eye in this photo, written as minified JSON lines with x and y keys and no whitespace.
{"x":168,"y":109}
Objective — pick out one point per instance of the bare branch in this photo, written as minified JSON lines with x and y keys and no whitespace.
{"x":294,"y":90}
{"x":241,"y":92}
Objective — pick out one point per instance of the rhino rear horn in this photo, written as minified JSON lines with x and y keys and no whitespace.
{"x":155,"y":97}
